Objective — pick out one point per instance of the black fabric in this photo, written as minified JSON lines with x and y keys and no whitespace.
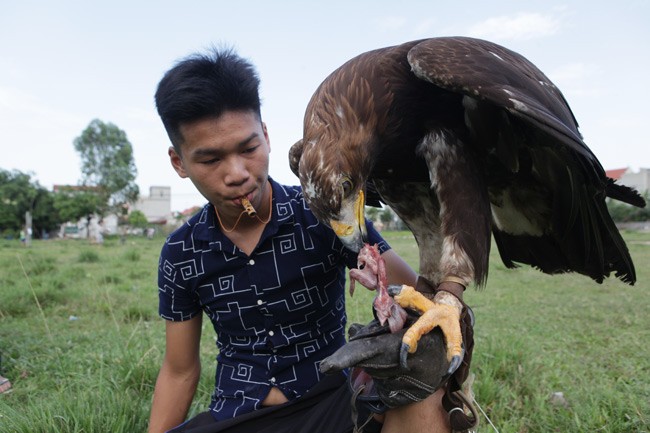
{"x":324,"y":409}
{"x":271,"y":322}
{"x":372,"y":426}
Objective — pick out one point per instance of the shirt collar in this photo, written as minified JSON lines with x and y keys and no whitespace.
{"x":207,"y":227}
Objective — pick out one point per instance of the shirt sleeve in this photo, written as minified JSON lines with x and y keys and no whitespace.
{"x":177,"y":300}
{"x":374,"y":237}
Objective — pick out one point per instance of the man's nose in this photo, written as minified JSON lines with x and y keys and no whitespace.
{"x":237,"y":171}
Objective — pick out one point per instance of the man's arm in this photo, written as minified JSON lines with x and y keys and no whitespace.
{"x":178,"y":376}
{"x":427,"y":415}
{"x":397,"y":270}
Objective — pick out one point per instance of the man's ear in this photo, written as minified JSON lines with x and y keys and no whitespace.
{"x":266,"y":135}
{"x":177,"y":162}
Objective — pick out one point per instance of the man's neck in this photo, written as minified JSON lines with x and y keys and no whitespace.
{"x":245,"y":230}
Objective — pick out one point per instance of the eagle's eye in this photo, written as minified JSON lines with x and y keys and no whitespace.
{"x":347,"y":186}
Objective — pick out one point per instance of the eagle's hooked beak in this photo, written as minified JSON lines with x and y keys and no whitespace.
{"x":351,"y":225}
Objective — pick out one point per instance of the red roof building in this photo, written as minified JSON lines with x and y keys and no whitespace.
{"x":616,"y":173}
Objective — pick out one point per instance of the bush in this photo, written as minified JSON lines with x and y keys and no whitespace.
{"x":623,"y":213}
{"x":88,"y":256}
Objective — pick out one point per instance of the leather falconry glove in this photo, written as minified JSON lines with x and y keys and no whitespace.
{"x":375,"y":355}
{"x":379,"y":381}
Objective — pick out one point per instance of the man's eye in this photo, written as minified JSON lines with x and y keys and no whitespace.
{"x":251,"y":149}
{"x":210,"y":161}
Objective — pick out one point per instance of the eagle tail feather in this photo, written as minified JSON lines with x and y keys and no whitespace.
{"x":624,"y":194}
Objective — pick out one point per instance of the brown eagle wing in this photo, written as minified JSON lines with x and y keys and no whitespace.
{"x":492,"y":73}
{"x":496,"y":81}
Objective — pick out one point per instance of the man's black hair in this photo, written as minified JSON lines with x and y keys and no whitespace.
{"x":203,"y":86}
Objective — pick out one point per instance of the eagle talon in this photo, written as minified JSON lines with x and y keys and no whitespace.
{"x":403,"y":355}
{"x":456,"y":360}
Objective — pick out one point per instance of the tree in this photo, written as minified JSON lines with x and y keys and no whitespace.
{"x":20,"y":194}
{"x":372,"y":212}
{"x":73,"y":202}
{"x":622,"y":212}
{"x":385,"y":215}
{"x":138,"y":219}
{"x":107,"y":163}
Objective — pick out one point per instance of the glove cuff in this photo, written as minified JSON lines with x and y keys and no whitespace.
{"x":365,"y":402}
{"x":365,"y":398}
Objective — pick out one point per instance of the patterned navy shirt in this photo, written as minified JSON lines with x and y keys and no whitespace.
{"x":277,"y":312}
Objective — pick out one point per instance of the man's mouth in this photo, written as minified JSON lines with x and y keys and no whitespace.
{"x":248,"y":207}
{"x":239,"y":200}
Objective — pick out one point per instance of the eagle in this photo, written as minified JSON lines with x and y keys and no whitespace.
{"x":464,"y":139}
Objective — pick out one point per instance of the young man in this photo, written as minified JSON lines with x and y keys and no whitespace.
{"x":271,"y":282}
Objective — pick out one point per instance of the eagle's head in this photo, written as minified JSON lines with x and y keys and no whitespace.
{"x":333,"y":181}
{"x":337,"y":152}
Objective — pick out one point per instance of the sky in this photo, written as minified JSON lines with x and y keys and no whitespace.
{"x":65,"y":63}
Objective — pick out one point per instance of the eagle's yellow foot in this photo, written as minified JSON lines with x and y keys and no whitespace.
{"x":444,"y":311}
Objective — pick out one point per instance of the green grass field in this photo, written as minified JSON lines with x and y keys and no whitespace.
{"x":82,"y":343}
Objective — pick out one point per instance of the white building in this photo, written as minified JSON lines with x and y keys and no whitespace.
{"x":157,"y":207}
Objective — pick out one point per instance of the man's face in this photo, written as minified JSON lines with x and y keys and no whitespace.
{"x":226,"y":158}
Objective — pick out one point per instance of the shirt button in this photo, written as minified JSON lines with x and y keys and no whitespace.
{"x":271,"y":333}
{"x":260,"y":302}
{"x":251,"y":262}
{"x":272,"y":380}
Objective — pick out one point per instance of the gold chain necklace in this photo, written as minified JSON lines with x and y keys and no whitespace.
{"x":242,"y":214}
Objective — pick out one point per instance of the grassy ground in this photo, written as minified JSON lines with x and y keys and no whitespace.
{"x":81,"y":341}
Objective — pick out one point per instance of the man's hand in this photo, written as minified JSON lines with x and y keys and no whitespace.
{"x":375,"y":350}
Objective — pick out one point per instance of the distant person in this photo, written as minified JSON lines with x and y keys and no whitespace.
{"x":5,"y":385}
